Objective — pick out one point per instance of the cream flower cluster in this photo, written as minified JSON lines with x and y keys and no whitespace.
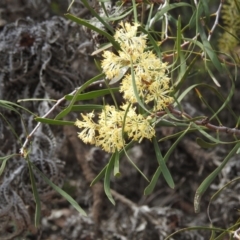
{"x":113,"y":125}
{"x":150,"y":72}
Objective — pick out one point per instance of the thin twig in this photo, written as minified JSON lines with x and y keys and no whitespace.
{"x":237,"y":233}
{"x":204,"y":122}
{"x":166,"y":21}
{"x":216,"y":20}
{"x":181,"y":46}
{"x":23,"y":148}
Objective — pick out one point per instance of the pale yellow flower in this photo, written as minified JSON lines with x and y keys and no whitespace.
{"x":127,"y":88}
{"x":159,"y":94}
{"x":110,"y":138}
{"x":132,"y":47}
{"x":152,"y":65}
{"x":126,"y":32}
{"x":89,"y":128}
{"x":108,"y":132}
{"x":112,"y":64}
{"x":152,"y":85}
{"x":129,"y":42}
{"x":131,"y":111}
{"x":136,"y":125}
{"x":110,"y":116}
{"x":139,"y":127}
{"x":110,"y":129}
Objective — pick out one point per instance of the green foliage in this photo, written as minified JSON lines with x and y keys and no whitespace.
{"x":175,"y":44}
{"x":183,"y":63}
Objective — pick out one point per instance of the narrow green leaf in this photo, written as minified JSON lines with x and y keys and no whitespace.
{"x":12,"y":128}
{"x":205,"y":5}
{"x":218,"y":94}
{"x":207,"y":181}
{"x":205,"y":102}
{"x":166,"y":173}
{"x":176,"y":134}
{"x":199,"y":15}
{"x":192,"y":22}
{"x":213,"y":234}
{"x":95,"y":29}
{"x":124,"y":150}
{"x":179,"y":36}
{"x":67,"y":110}
{"x":121,"y":16}
{"x":226,"y":100}
{"x":61,"y":192}
{"x":12,"y":106}
{"x":96,"y":15}
{"x":116,"y":171}
{"x":208,"y":49}
{"x":4,"y":162}
{"x":135,"y":12}
{"x":166,"y":123}
{"x":150,"y":16}
{"x":226,"y":234}
{"x":156,"y":175}
{"x":99,"y":176}
{"x":174,"y":145}
{"x":166,"y":9}
{"x":90,"y":81}
{"x":92,"y":94}
{"x":35,"y":194}
{"x":205,"y":144}
{"x":53,"y":122}
{"x":185,"y":92}
{"x":204,"y":133}
{"x":194,"y":229}
{"x":86,"y":107}
{"x":108,"y":172}
{"x":7,"y":106}
{"x":139,"y":101}
{"x":208,"y":136}
{"x":83,"y":87}
{"x":149,"y":189}
{"x":112,"y":95}
{"x":153,"y":42}
{"x":216,"y":194}
{"x":211,"y":75}
{"x":180,"y":54}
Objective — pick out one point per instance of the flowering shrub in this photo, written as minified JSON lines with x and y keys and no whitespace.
{"x":152,"y":84}
{"x":152,"y":68}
